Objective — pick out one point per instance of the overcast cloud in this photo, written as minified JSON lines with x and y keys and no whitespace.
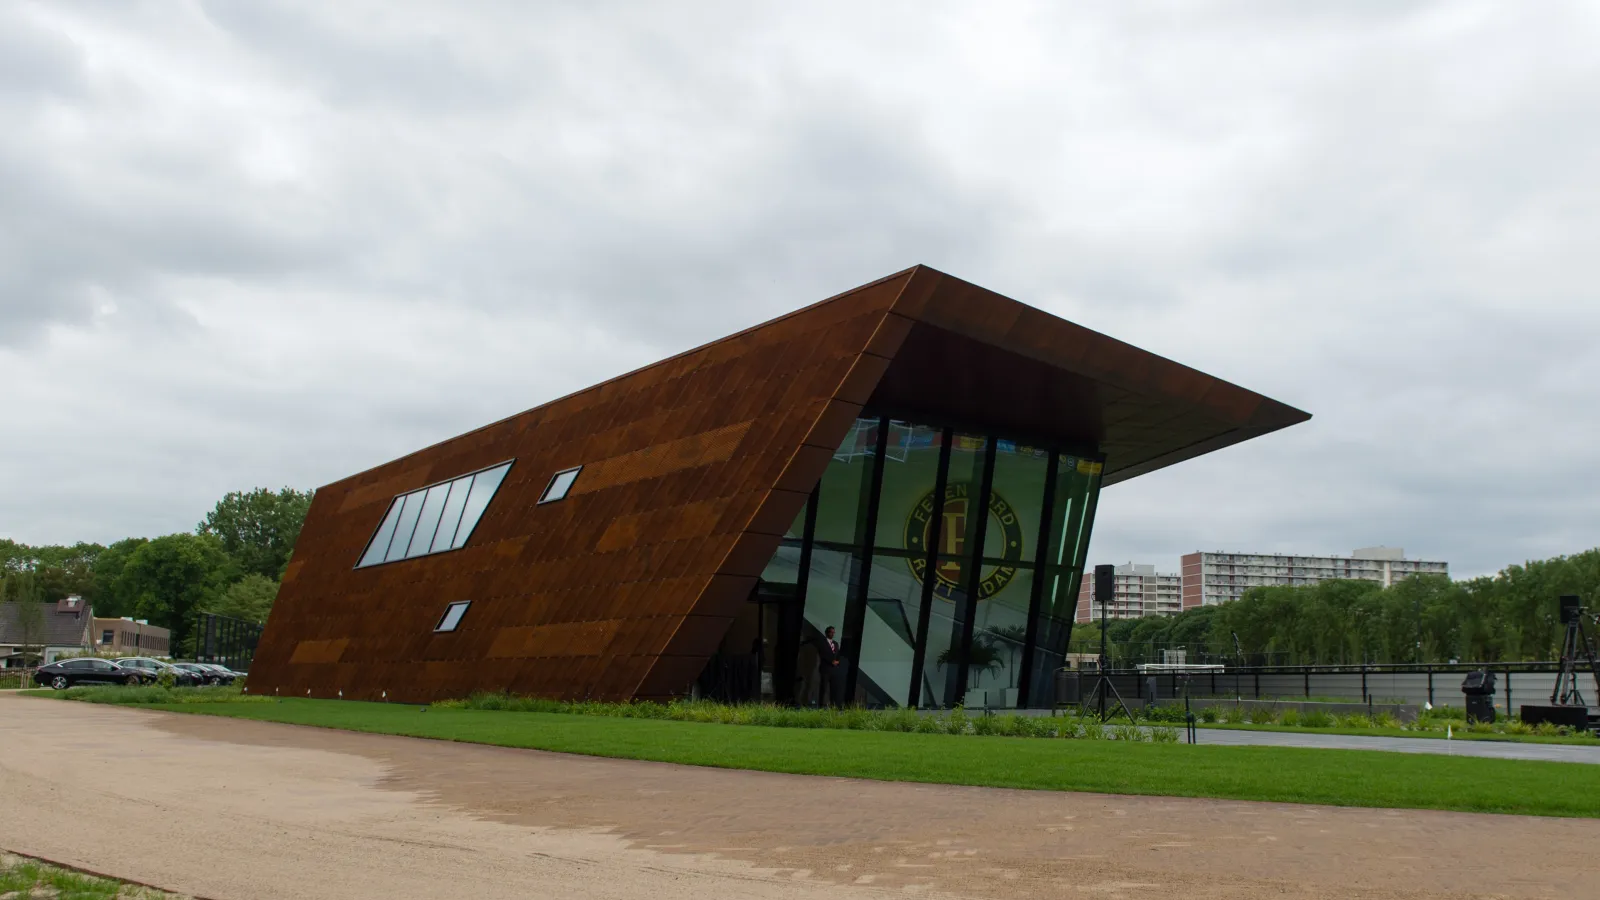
{"x":267,"y":243}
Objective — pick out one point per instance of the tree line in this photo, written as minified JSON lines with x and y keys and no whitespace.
{"x":231,"y":564}
{"x":1510,"y":616}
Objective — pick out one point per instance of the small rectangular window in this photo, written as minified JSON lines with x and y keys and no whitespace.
{"x":560,"y":484}
{"x":452,"y":616}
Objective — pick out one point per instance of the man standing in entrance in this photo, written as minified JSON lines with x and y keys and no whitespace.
{"x":832,"y":665}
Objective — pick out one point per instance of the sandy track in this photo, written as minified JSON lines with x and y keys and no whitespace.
{"x":228,"y":809}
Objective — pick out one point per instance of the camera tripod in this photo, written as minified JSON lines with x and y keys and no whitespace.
{"x":1576,"y":641}
{"x":1103,"y":689}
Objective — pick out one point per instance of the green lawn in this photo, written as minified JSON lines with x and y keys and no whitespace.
{"x":1294,"y":775}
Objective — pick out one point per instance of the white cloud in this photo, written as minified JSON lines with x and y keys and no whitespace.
{"x":268,"y":243}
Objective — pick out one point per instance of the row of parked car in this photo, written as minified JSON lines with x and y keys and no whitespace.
{"x":130,"y":670}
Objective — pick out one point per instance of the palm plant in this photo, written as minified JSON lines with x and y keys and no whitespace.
{"x":983,"y":657}
{"x":1013,"y":636}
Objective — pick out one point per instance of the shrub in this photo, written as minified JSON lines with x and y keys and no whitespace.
{"x":1354,"y":720}
{"x":901,"y":720}
{"x":1163,"y":734}
{"x":985,"y":725}
{"x":1290,"y":716}
{"x":1092,"y":729}
{"x":1209,"y":714}
{"x":1385,"y":720}
{"x":1317,"y":718}
{"x":151,"y":694}
{"x":1015,"y":725}
{"x":1547,"y":729}
{"x":1262,"y":715}
{"x":1233,"y":715}
{"x":958,"y":722}
{"x":1127,"y":732}
{"x":1163,"y":714}
{"x":933,"y":724}
{"x":1042,"y":726}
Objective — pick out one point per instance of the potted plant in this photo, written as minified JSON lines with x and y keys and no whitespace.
{"x":983,"y":658}
{"x":1012,"y":638}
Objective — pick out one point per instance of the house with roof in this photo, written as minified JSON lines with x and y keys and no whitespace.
{"x":32,"y":634}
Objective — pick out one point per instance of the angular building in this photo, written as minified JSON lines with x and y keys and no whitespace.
{"x":915,"y":463}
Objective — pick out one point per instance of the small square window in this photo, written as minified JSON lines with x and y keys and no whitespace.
{"x":452,"y":616}
{"x":560,"y":483}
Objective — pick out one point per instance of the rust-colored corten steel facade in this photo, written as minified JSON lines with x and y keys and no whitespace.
{"x":702,"y":474}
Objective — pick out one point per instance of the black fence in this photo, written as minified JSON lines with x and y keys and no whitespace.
{"x":226,"y":641}
{"x":1437,"y":684}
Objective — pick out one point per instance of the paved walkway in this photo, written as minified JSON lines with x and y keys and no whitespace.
{"x":237,"y":810}
{"x":1493,"y":749}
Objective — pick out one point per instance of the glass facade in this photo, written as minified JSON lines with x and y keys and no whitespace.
{"x":434,"y":519}
{"x":947,"y":562}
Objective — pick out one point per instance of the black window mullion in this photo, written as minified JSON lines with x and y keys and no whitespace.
{"x":979,"y":514}
{"x":930,"y":575}
{"x":796,"y":610}
{"x":856,"y":605}
{"x":1030,"y":639}
{"x":1081,"y":552}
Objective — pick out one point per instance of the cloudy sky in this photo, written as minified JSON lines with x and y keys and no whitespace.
{"x":273,"y":243}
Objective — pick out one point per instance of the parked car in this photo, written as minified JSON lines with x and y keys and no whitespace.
{"x":150,"y":671}
{"x":68,"y":672}
{"x":208,"y":674}
{"x":231,"y":674}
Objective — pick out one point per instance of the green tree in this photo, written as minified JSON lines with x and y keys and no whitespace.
{"x":250,"y":598}
{"x":109,"y":600}
{"x":172,"y":578}
{"x":20,"y":587}
{"x":258,"y":529}
{"x":30,"y":627}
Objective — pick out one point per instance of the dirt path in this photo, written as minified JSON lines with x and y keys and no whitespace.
{"x":232,"y":810}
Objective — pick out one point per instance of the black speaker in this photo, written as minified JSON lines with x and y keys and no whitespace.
{"x":1571,"y":607}
{"x":1105,"y":585}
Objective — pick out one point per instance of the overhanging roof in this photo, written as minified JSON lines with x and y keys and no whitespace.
{"x":970,"y":355}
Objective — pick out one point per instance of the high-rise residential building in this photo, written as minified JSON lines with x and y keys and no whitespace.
{"x":1141,"y":591}
{"x":1212,"y":578}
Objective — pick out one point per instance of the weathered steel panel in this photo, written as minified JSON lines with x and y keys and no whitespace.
{"x":693,"y":469}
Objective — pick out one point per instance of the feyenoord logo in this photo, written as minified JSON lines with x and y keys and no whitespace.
{"x":951,"y":575}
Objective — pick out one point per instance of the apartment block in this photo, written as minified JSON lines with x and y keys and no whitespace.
{"x":1140,"y":591}
{"x":1212,"y":578}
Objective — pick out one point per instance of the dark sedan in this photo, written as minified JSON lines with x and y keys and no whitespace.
{"x":151,"y":670}
{"x":68,"y":672}
{"x":207,"y":674}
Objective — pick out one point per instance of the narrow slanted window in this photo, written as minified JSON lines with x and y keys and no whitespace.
{"x":433,"y":519}
{"x":560,"y":483}
{"x":452,"y":616}
{"x":380,"y":541}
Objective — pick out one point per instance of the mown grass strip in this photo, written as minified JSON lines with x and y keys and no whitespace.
{"x":1285,"y":774}
{"x":24,"y":878}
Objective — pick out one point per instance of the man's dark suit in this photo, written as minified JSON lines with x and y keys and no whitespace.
{"x":830,"y":663}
